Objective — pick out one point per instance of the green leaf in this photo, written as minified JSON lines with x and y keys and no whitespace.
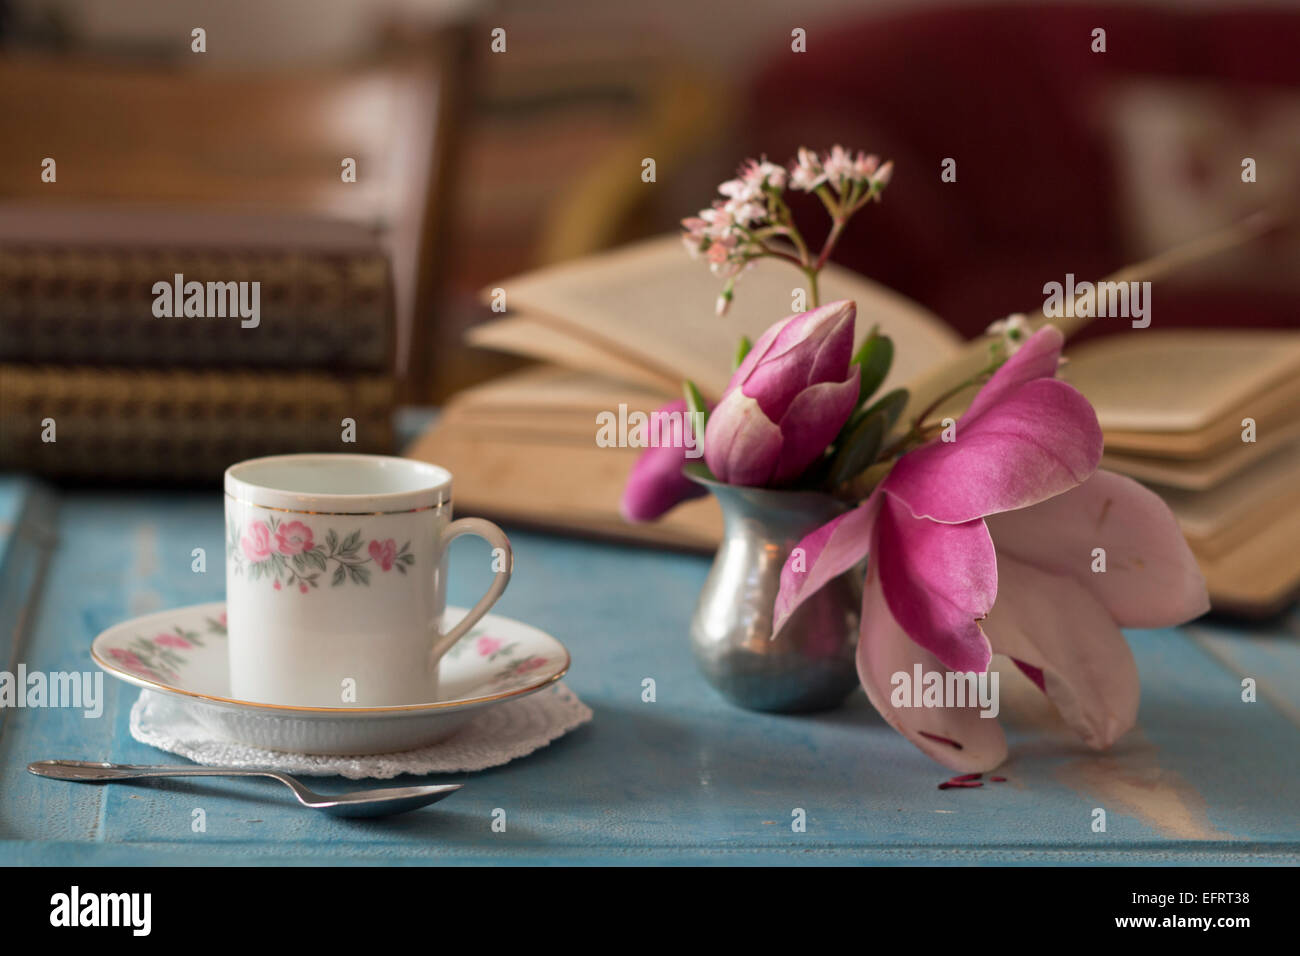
{"x":331,"y":541}
{"x":695,"y":403}
{"x":742,"y":349}
{"x":698,"y":469}
{"x":339,"y":574}
{"x":874,"y":357}
{"x":359,"y":574}
{"x":860,"y":448}
{"x":891,"y":404}
{"x":351,"y":542}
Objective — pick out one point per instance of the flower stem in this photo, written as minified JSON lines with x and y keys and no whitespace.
{"x":833,"y":237}
{"x":918,"y":431}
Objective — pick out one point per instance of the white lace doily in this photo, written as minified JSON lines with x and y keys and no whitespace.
{"x":495,"y":735}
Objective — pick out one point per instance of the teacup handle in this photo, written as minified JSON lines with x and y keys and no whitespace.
{"x":497,"y":538}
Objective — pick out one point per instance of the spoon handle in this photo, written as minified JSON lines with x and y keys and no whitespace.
{"x":87,"y":771}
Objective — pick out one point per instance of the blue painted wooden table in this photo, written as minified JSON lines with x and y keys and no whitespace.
{"x":1206,"y":778}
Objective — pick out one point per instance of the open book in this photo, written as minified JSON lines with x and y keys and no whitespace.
{"x":624,"y":328}
{"x":644,"y":314}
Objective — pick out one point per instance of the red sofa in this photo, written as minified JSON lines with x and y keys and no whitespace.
{"x":1043,"y":130}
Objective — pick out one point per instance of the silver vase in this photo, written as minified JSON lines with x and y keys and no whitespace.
{"x":810,"y":664}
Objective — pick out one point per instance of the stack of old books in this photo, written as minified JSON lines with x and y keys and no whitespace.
{"x":168,"y":344}
{"x":618,"y":332}
{"x":1211,"y":421}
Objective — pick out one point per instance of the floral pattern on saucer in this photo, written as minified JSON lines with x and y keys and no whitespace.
{"x":184,"y":651}
{"x":162,"y":656}
{"x":491,"y":648}
{"x":288,"y":554}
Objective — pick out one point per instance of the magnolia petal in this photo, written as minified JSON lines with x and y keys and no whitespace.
{"x":1037,"y":358}
{"x":939,"y":581}
{"x":957,"y":737}
{"x":823,"y":556}
{"x":1037,"y":442}
{"x":1052,"y":623}
{"x":1151,"y":578}
{"x":741,"y":445}
{"x":656,"y":483}
{"x":811,"y":423}
{"x":812,"y":347}
{"x":831,"y":362}
{"x":757,"y":352}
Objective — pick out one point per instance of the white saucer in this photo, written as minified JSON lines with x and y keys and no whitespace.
{"x":183,"y":653}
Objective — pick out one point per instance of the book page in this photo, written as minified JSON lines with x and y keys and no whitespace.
{"x":649,"y":304}
{"x":1180,"y":380}
{"x":524,"y":335}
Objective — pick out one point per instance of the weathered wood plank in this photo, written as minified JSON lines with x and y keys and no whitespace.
{"x":1205,"y":779}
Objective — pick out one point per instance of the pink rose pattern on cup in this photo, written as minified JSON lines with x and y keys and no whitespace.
{"x":161,"y":657}
{"x":383,"y":553}
{"x":288,"y":554}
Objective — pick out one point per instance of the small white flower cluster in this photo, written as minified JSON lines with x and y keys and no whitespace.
{"x":724,"y":233}
{"x":752,"y":219}
{"x":1013,"y":330}
{"x":841,"y":170}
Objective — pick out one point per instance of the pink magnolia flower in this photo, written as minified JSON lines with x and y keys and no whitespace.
{"x":293,"y":537}
{"x":256,"y":542}
{"x":488,"y":645}
{"x":171,"y":640}
{"x":656,"y":483}
{"x":787,"y":401}
{"x":383,"y":553}
{"x":985,"y":545}
{"x":302,"y":587}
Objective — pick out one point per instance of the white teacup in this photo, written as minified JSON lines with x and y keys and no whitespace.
{"x":336,"y":579}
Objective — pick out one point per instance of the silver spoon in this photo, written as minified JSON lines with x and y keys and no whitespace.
{"x":357,"y":803}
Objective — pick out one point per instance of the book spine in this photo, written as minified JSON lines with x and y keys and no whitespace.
{"x":182,"y":425}
{"x":79,"y":306}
